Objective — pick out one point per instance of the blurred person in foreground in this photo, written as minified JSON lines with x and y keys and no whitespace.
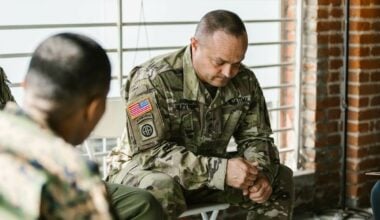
{"x":5,"y":92}
{"x":375,"y":200}
{"x":42,"y":175}
{"x":183,"y":109}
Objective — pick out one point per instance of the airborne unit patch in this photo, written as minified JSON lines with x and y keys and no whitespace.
{"x":137,"y":109}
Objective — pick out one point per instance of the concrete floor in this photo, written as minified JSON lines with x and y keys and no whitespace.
{"x":362,"y":214}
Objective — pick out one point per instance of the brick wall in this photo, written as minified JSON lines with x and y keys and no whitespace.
{"x":322,"y":54}
{"x":322,"y":117}
{"x":364,"y":100}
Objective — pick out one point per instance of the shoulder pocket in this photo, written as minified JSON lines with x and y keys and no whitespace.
{"x":146,"y":123}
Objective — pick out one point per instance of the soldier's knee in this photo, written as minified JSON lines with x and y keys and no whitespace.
{"x":285,"y":172}
{"x":149,"y":203}
{"x":285,"y":177}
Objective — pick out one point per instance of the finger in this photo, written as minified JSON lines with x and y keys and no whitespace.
{"x":255,"y":163}
{"x":255,"y":188}
{"x":262,"y":195}
{"x":250,"y":179}
{"x":253,"y":170}
{"x":245,"y":192}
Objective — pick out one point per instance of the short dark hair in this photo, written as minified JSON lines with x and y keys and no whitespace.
{"x":223,"y":20}
{"x":68,"y":69}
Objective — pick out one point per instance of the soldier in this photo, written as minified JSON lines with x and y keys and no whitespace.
{"x":183,"y":108}
{"x":42,"y":175}
{"x":5,"y":93}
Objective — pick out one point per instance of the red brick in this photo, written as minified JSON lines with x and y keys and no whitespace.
{"x":365,"y":114}
{"x":365,"y":12}
{"x":360,"y":192}
{"x":352,"y":165}
{"x":357,"y":152}
{"x":336,"y":39}
{"x":359,"y":26}
{"x":359,"y":51}
{"x":334,"y":139}
{"x":375,"y":101}
{"x":375,"y":51}
{"x":326,"y":165}
{"x":369,"y":89}
{"x":323,"y":13}
{"x":357,"y":177}
{"x":333,"y":76}
{"x":375,"y":77}
{"x":334,"y":89}
{"x":358,"y":77}
{"x":368,"y":164}
{"x":357,"y":127}
{"x":327,"y":127}
{"x":334,"y":114}
{"x":328,"y":2}
{"x":334,"y":51}
{"x":329,"y":38}
{"x":328,"y":26}
{"x":356,"y":38}
{"x":358,"y":102}
{"x":376,"y":25}
{"x":353,"y":90}
{"x":328,"y":102}
{"x":321,"y":142}
{"x":337,"y":13}
{"x":335,"y":64}
{"x":365,"y":63}
{"x":362,"y":139}
{"x":361,"y":2}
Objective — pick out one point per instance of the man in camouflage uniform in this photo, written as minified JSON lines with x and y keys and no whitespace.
{"x":42,"y":175}
{"x":183,"y":108}
{"x":5,"y":93}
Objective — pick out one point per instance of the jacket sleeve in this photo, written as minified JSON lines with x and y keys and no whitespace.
{"x":253,"y":134}
{"x":150,"y":139}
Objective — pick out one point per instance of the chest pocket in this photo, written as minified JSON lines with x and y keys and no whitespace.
{"x":185,"y":126}
{"x":232,"y":113}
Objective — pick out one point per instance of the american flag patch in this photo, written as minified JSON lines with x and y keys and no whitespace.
{"x":138,"y":108}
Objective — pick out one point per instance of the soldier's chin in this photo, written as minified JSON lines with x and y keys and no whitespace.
{"x":220,"y":82}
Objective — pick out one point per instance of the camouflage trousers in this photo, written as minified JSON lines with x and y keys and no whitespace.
{"x":175,"y":199}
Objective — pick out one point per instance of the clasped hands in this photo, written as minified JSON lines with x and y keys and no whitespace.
{"x":246,"y":176}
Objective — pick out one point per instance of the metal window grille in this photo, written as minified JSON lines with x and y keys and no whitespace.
{"x":100,"y":147}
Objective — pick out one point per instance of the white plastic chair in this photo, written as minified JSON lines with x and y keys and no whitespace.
{"x":204,"y":209}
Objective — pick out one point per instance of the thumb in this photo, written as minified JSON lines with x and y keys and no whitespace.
{"x":254,"y":163}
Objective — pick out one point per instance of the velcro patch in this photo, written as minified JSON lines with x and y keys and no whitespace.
{"x":141,"y":107}
{"x":147,"y":130}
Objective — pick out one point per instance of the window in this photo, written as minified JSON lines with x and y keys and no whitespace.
{"x":134,"y":30}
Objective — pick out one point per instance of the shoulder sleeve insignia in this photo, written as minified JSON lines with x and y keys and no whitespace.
{"x":138,"y":108}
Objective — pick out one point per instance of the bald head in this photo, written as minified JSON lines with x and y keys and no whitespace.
{"x":220,"y":20}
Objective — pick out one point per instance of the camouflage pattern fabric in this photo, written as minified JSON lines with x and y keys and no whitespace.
{"x":43,"y":177}
{"x":177,"y":135}
{"x":5,"y":93}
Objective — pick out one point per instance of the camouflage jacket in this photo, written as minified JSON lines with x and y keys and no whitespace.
{"x":175,"y":126}
{"x":43,"y":177}
{"x":5,"y":93}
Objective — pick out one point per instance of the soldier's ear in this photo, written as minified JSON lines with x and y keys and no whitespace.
{"x":194,"y":43}
{"x":95,"y":109}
